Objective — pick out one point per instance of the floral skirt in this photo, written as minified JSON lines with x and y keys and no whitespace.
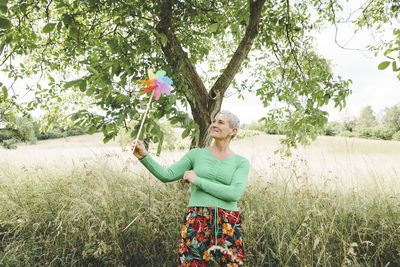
{"x":197,"y":245}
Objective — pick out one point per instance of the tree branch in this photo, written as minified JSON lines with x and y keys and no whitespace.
{"x":221,"y":85}
{"x":174,"y":53}
{"x":288,"y":36}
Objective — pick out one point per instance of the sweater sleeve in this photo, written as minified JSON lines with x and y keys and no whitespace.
{"x":173,"y":173}
{"x":230,"y":192}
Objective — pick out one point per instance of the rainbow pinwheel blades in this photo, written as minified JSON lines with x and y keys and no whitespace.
{"x":158,"y":82}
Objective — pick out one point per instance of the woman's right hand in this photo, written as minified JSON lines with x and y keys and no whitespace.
{"x":138,"y":149}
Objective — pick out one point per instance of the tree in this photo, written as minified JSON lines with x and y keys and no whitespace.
{"x":391,"y":118}
{"x":109,"y":44}
{"x":17,"y":128}
{"x":366,"y":119}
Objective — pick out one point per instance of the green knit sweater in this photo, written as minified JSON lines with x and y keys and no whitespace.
{"x":219,"y":183}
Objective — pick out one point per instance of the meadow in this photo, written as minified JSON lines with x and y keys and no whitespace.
{"x":78,"y":202}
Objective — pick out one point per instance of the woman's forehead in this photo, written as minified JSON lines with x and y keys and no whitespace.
{"x":222,"y":117}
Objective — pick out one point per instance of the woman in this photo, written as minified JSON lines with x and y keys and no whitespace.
{"x":218,"y":178}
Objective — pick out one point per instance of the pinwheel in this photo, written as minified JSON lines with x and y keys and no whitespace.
{"x":158,"y":84}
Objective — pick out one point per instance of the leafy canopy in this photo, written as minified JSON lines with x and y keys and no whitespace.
{"x":98,"y":49}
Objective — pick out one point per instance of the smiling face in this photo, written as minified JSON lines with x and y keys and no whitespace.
{"x":220,"y":128}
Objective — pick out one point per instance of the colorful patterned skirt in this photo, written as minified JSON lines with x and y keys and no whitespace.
{"x":197,"y":245}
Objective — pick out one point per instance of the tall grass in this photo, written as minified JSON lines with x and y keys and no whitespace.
{"x":75,"y":214}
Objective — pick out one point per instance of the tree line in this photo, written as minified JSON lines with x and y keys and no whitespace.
{"x":385,"y":125}
{"x":16,"y":128}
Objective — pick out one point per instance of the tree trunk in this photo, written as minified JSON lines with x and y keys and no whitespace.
{"x":204,"y":121}
{"x":206,"y":104}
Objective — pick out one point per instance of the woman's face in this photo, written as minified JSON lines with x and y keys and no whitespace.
{"x":220,"y":128}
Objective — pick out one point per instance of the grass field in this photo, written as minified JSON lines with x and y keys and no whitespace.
{"x":68,"y":201}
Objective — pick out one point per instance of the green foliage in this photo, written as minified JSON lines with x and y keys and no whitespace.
{"x":366,"y":119}
{"x":245,"y":133}
{"x":16,"y":128}
{"x":109,"y":45}
{"x":391,"y":117}
{"x":349,"y":124}
{"x":5,"y":134}
{"x":347,"y":134}
{"x":252,"y":126}
{"x":382,"y":132}
{"x":24,"y":129}
{"x":367,"y":126}
{"x":379,"y":132}
{"x":332,"y":129}
{"x":377,"y":14}
{"x":57,"y":130}
{"x":10,"y":143}
{"x":170,"y":138}
{"x":396,"y":136}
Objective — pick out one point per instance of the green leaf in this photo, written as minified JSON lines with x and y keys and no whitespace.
{"x":3,"y":9}
{"x":83,"y":85}
{"x":5,"y":92}
{"x":3,"y":2}
{"x":108,"y":138}
{"x":164,"y":39}
{"x":384,"y":65}
{"x":49,"y":27}
{"x":92,"y":129}
{"x":92,"y":70}
{"x":110,"y":127}
{"x":72,"y":83}
{"x":4,"y":23}
{"x":213,"y":27}
{"x":394,"y":66}
{"x":185,"y":133}
{"x":161,"y":141}
{"x":67,"y":19}
{"x":388,"y":51}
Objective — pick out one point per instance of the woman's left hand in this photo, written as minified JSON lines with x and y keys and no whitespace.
{"x":189,"y":176}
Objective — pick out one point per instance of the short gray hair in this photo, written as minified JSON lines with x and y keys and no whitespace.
{"x":234,"y":121}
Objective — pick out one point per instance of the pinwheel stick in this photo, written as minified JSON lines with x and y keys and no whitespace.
{"x":137,"y":137}
{"x":144,"y":118}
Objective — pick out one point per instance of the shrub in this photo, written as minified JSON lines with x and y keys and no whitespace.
{"x":272,"y":131}
{"x":244,"y":133}
{"x":347,"y":133}
{"x":6,"y":134}
{"x":10,"y":143}
{"x":253,"y":126}
{"x":383,"y":133}
{"x":379,"y":132}
{"x":25,"y":130}
{"x":52,"y":134}
{"x":365,"y":133}
{"x":331,"y":129}
{"x":72,"y":131}
{"x":396,"y":136}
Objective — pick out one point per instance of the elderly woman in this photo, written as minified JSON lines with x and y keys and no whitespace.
{"x":212,"y":225}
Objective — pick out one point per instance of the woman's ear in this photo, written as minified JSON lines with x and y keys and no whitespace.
{"x":234,"y":131}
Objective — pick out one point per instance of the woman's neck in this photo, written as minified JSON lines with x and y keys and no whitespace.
{"x":221,"y":146}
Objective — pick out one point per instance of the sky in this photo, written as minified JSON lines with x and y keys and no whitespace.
{"x":370,"y":86}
